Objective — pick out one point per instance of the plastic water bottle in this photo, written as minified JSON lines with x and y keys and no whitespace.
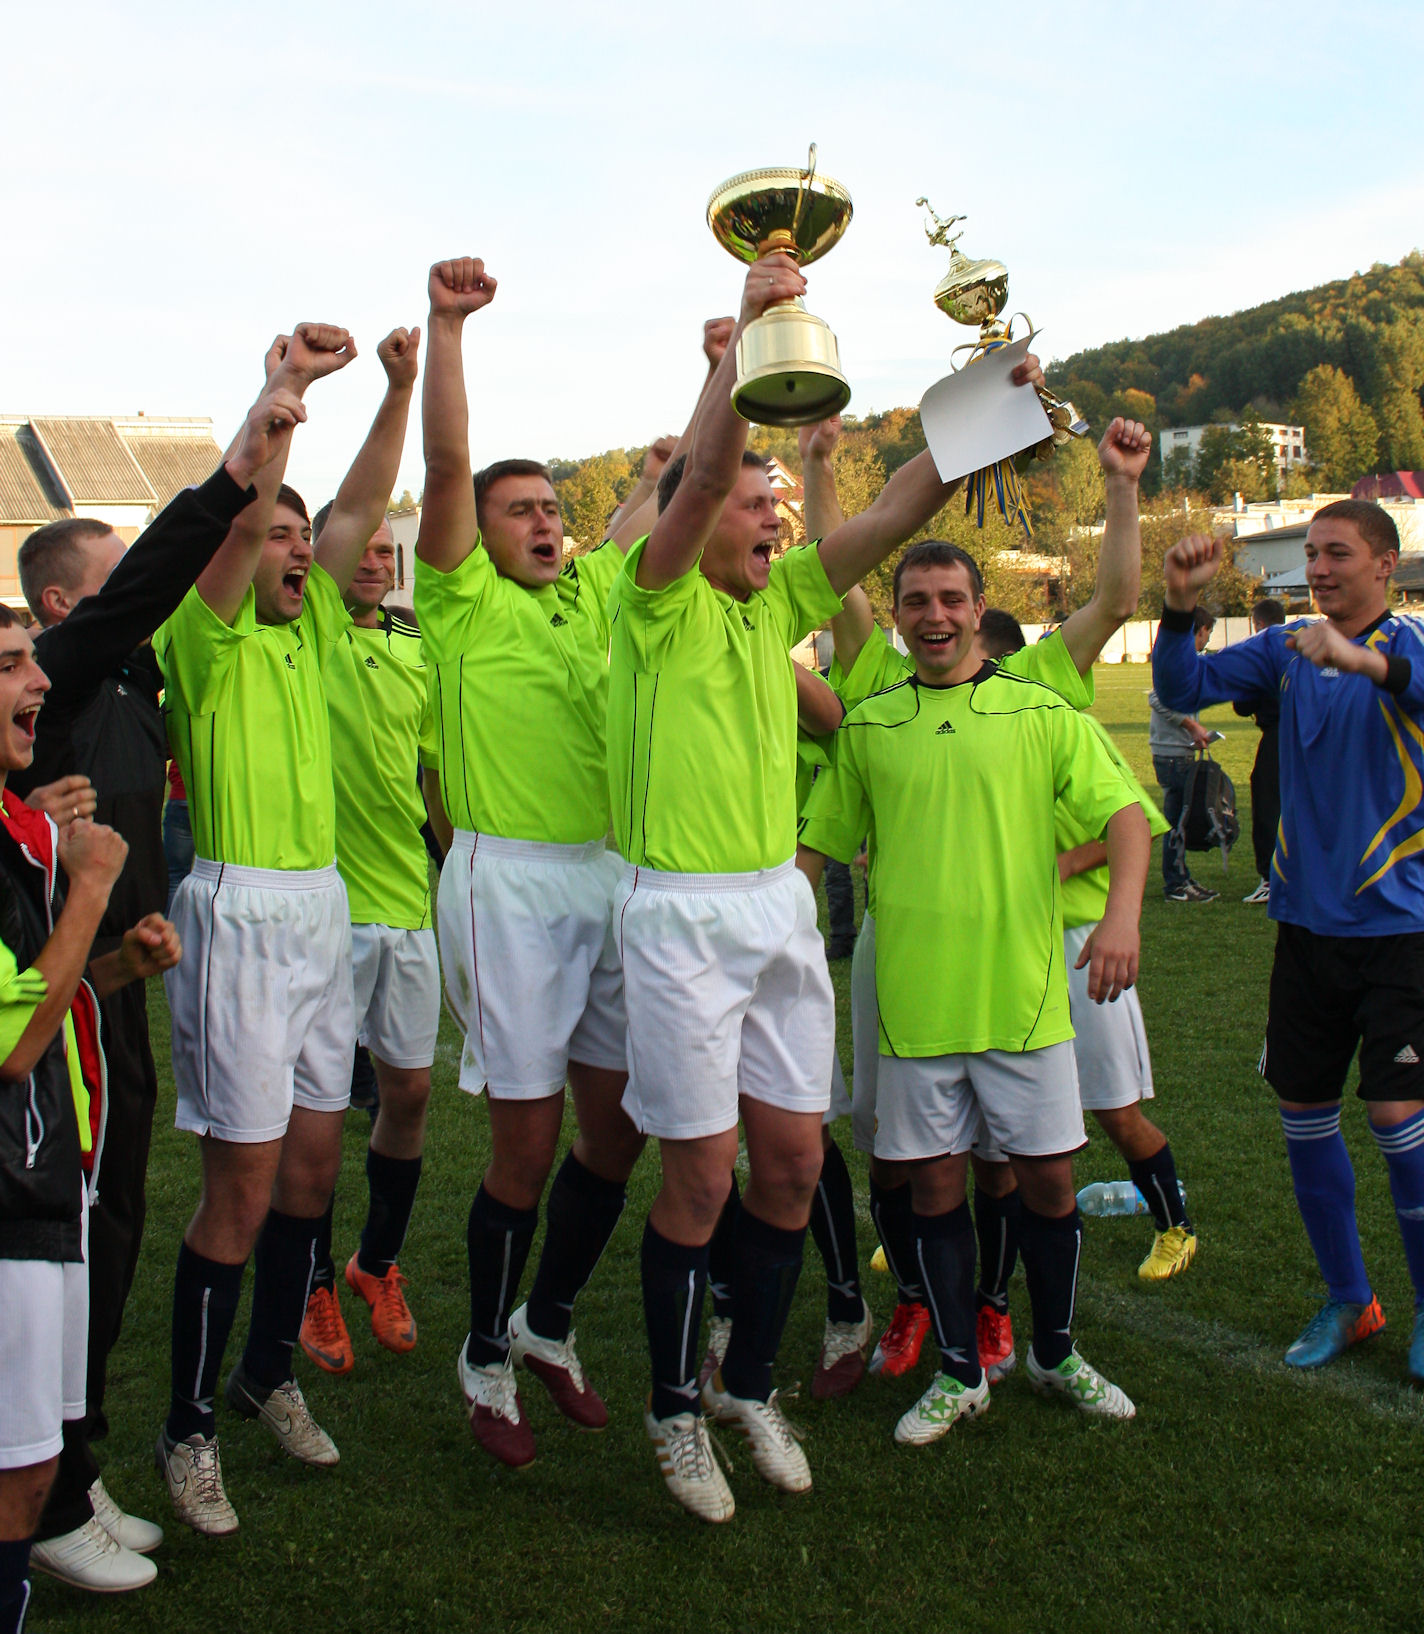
{"x":1106,"y":1197}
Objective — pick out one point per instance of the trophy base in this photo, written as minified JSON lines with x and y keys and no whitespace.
{"x":788,"y":370}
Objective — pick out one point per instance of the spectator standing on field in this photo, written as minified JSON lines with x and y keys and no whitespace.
{"x":1266,"y":769}
{"x":1174,"y":739}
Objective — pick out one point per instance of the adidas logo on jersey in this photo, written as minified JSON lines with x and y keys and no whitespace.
{"x":372,"y":664}
{"x":291,"y":662}
{"x":942,"y":728}
{"x":1407,"y":1057}
{"x":747,"y":623}
{"x":557,"y":620}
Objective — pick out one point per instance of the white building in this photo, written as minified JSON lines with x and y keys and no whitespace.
{"x":1287,"y":442}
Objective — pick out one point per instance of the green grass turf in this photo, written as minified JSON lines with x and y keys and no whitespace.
{"x":1244,"y":1496}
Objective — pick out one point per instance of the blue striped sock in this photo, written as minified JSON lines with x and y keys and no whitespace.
{"x":1325,"y":1194}
{"x":1403,"y":1148}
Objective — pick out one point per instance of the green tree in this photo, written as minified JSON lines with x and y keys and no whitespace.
{"x":406,"y":502}
{"x":1401,"y":370}
{"x":1341,"y":434}
{"x":1080,"y":480}
{"x":588,"y":496}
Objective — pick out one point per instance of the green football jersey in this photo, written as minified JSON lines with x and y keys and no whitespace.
{"x":1085,"y":896}
{"x":521,"y":695}
{"x":382,"y":724}
{"x":702,"y":716}
{"x":248,"y":726}
{"x":959,"y":783}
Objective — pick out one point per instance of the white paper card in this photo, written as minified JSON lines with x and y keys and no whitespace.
{"x":978,"y":416}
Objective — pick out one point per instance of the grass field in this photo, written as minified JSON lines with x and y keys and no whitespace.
{"x":1243,"y":1497}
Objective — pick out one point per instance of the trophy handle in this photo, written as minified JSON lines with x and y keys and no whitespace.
{"x":807,"y":176}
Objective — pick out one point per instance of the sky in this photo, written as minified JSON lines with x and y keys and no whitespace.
{"x":183,"y":182}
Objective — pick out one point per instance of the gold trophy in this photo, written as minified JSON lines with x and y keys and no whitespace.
{"x":976,"y":292}
{"x":788,"y":363}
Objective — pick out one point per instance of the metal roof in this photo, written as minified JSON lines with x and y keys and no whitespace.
{"x":93,"y":463}
{"x":24,"y":497}
{"x":172,"y":455}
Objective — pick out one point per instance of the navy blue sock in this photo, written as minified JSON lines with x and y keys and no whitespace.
{"x":674,"y":1281}
{"x":580,"y":1216}
{"x":1325,"y":1194}
{"x":14,"y":1585}
{"x":1156,"y":1178}
{"x":768,"y":1266}
{"x":833,"y":1227}
{"x":1403,"y":1148}
{"x":996,"y":1219}
{"x":282,"y":1268}
{"x":497,"y":1239}
{"x":324,"y":1273}
{"x":722,"y":1254}
{"x":1050,"y":1254}
{"x":391,"y":1182}
{"x":205,"y":1295}
{"x":944,"y":1252}
{"x":895,"y":1227}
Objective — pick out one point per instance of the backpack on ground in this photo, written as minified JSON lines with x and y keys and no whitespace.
{"x":1208,"y":819}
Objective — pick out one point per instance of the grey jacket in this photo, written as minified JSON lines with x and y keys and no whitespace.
{"x":1166,"y":735}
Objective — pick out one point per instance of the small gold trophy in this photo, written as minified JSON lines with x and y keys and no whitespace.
{"x":976,"y":292}
{"x":788,"y":363}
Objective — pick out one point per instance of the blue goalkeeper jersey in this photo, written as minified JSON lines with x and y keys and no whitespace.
{"x":1349,"y":857}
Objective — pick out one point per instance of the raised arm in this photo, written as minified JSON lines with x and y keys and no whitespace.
{"x":714,"y":461}
{"x":1123,"y":456}
{"x":1183,"y":679}
{"x":448,"y":523}
{"x":636,"y":515}
{"x":365,"y":491}
{"x":634,"y":521}
{"x":818,"y":710}
{"x":311,"y":352}
{"x":852,"y":627}
{"x":820,"y":505}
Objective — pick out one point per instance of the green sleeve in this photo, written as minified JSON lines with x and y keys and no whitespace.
{"x":1087,"y":782}
{"x":447,"y":604}
{"x":1051,"y":664}
{"x":21,"y":994}
{"x":837,"y":814}
{"x":649,"y":619}
{"x":878,"y":665}
{"x":801,"y":594}
{"x":195,"y":650}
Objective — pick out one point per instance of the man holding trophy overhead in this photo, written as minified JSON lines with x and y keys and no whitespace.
{"x":729,"y":1001}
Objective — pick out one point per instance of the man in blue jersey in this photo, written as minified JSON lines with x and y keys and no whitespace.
{"x":1346,"y":889}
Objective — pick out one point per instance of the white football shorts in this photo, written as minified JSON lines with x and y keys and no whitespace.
{"x":396,"y":978}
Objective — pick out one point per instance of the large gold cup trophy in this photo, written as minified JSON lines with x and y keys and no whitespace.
{"x":788,"y":363}
{"x":976,"y":292}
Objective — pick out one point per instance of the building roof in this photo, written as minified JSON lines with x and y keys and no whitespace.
{"x":24,"y":496}
{"x":172,"y":454}
{"x":1390,"y":485}
{"x":92,"y":461}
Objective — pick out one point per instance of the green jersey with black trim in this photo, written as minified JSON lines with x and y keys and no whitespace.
{"x":1085,"y":896}
{"x":702,"y":716}
{"x":521,"y":695}
{"x":960,"y":783}
{"x":248,"y":726}
{"x":382,"y":725}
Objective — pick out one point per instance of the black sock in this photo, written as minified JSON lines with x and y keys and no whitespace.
{"x":996,"y":1219}
{"x":1050,"y":1256}
{"x":768,"y":1265}
{"x":497,"y":1239}
{"x":579,"y":1218}
{"x":324,"y":1274}
{"x":722,"y":1254}
{"x":205,"y":1295}
{"x":14,"y":1585}
{"x":833,"y":1227}
{"x":392,"y":1182}
{"x":944,"y":1252}
{"x":895,"y":1226}
{"x":1156,"y":1178}
{"x":282,"y":1267}
{"x":674,"y":1280}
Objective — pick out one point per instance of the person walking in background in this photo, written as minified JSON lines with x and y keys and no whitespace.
{"x":1174,"y":739}
{"x":1266,"y":769}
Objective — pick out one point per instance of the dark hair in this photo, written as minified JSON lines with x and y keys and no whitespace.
{"x":1267,"y":612}
{"x":293,"y":501}
{"x":671,"y":479}
{"x":1000,"y":633}
{"x":319,"y":521}
{"x":491,"y":474}
{"x":52,"y":555}
{"x":938,"y":553}
{"x":1202,"y":618}
{"x":10,"y":619}
{"x":1376,"y":525}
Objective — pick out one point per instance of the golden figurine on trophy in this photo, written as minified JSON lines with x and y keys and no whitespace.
{"x":788,"y":363}
{"x":976,"y":292}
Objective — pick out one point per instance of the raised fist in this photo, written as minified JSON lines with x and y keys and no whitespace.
{"x":773,"y":279}
{"x":92,"y":854}
{"x":1124,"y":449}
{"x":267,"y":431}
{"x":398,"y":353}
{"x":460,"y":287}
{"x":656,"y":458}
{"x":716,"y":334}
{"x":316,"y":350}
{"x":150,"y":948}
{"x":818,"y":442}
{"x":1188,"y":567}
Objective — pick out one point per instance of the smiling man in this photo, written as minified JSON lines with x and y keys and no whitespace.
{"x":975,"y":1036}
{"x":518,"y":642}
{"x":1346,"y":887}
